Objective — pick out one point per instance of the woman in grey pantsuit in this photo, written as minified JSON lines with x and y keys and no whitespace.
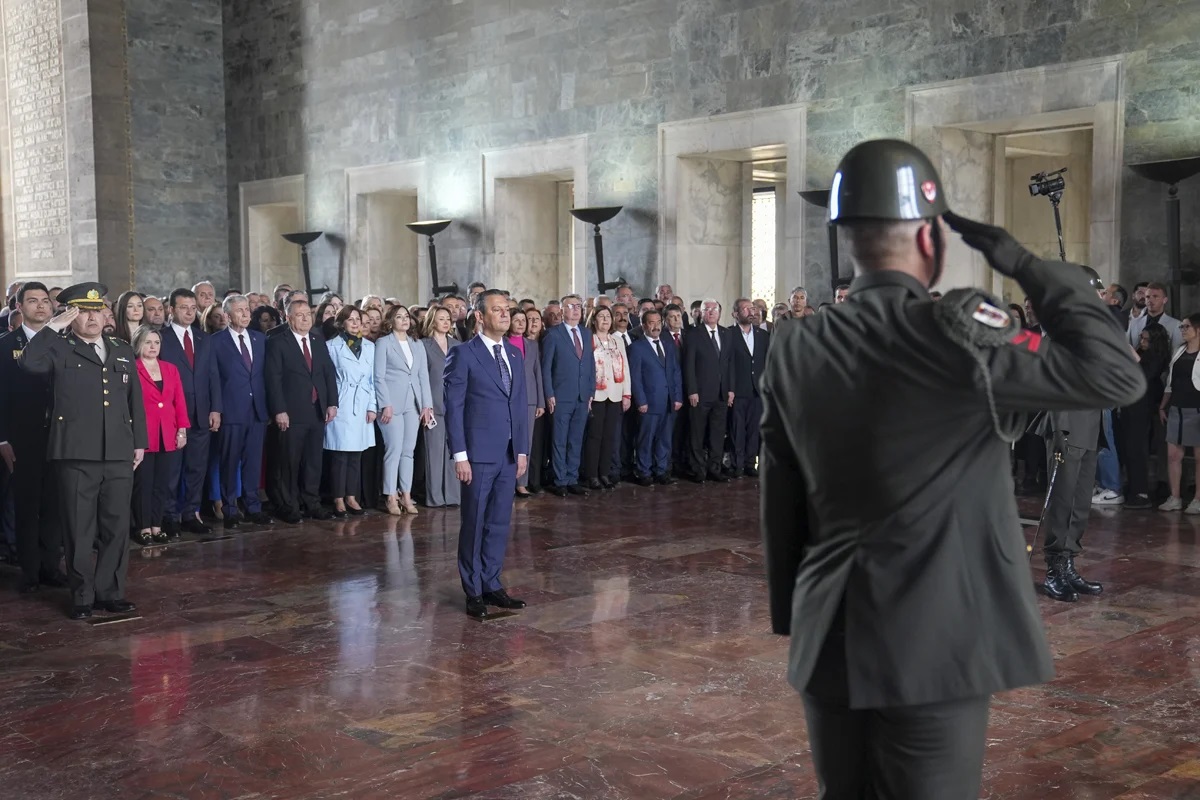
{"x":441,"y":482}
{"x":533,"y":384}
{"x":402,"y":389}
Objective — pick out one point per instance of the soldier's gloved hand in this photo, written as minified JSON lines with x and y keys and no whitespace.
{"x":1002,"y":251}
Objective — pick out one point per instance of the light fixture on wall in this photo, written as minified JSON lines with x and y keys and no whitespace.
{"x":820,"y":199}
{"x":430,"y":228}
{"x":304,"y":240}
{"x":596,"y":216}
{"x":1171,"y":173}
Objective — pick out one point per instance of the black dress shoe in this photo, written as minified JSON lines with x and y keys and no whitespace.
{"x":263,"y":518}
{"x":55,"y":579}
{"x":171,"y":528}
{"x":578,"y":489}
{"x":664,"y":480}
{"x":290,"y":517}
{"x":500,"y":599}
{"x":232,"y":522}
{"x":79,"y":612}
{"x":605,"y":484}
{"x":28,"y":587}
{"x":694,"y":478}
{"x":558,"y":491}
{"x":160,"y":537}
{"x":476,"y":608}
{"x":644,"y":480}
{"x":750,"y":472}
{"x":1077,"y":581}
{"x":1056,"y":586}
{"x":335,"y":514}
{"x":718,"y":477}
{"x":320,"y":515}
{"x":355,"y":512}
{"x":144,"y":539}
{"x":114,"y":606}
{"x":195,"y":526}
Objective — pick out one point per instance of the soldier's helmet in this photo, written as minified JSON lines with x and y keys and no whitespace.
{"x":1094,"y":278}
{"x":885,"y":179}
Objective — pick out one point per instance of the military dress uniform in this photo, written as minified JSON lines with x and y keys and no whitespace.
{"x":25,"y":400}
{"x":96,"y":422}
{"x":894,"y":552}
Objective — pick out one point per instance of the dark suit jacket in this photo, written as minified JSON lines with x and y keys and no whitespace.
{"x":748,"y":370}
{"x":25,"y":398}
{"x":886,"y":490}
{"x":480,"y":418}
{"x":97,"y":413}
{"x":289,"y":381}
{"x":654,"y":384}
{"x":201,"y":387}
{"x":705,"y":372}
{"x":565,"y":377}
{"x":243,"y":391}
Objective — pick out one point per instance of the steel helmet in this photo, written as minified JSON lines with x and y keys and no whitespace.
{"x":1093,"y":278}
{"x":885,"y":179}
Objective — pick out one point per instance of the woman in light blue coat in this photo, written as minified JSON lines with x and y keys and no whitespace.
{"x":403,"y":395}
{"x":351,"y":431}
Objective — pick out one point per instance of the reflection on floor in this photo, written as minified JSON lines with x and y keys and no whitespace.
{"x":335,"y":659}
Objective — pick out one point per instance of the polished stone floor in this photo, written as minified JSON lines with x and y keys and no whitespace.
{"x":334,"y":660}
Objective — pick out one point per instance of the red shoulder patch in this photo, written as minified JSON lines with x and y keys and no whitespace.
{"x":1030,"y":340}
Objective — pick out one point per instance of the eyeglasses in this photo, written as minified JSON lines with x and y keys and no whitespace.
{"x":572,"y":305}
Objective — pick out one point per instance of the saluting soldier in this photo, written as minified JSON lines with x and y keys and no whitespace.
{"x":96,"y":440}
{"x":894,"y":552}
{"x":24,"y":424}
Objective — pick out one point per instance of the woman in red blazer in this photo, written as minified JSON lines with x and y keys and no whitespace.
{"x":157,"y":478}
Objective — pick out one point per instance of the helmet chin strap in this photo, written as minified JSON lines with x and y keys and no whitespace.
{"x":939,"y":252}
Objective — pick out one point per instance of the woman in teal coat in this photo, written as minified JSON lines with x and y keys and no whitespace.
{"x":352,"y":430}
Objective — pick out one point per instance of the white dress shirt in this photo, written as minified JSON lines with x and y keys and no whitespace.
{"x":301,"y":340}
{"x":29,"y":332}
{"x":713,"y":329}
{"x":237,"y":345}
{"x":179,"y":332}
{"x":748,"y":338}
{"x":491,"y":346}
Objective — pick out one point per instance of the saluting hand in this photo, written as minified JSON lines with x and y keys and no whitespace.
{"x":1004,"y":253}
{"x":63,"y":321}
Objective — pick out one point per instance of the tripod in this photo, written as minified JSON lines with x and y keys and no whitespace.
{"x":1056,"y":198}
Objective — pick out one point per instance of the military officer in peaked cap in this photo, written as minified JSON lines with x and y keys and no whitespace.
{"x":96,"y":440}
{"x":894,"y":552}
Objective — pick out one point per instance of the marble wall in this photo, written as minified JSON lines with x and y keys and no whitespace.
{"x":315,"y":88}
{"x":711,"y":207}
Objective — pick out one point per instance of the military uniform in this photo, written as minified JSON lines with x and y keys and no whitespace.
{"x":894,"y":552}
{"x":24,"y":423}
{"x":96,"y":422}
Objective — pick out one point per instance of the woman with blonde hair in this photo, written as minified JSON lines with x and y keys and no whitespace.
{"x":404,"y":399}
{"x":441,"y":482}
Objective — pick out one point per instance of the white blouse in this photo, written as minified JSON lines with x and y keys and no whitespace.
{"x":407,"y":350}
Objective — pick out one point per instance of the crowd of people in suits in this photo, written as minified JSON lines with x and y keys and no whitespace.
{"x":258,"y":408}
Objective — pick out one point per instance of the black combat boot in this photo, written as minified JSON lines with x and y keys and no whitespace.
{"x":1056,"y":584}
{"x":1076,"y":580}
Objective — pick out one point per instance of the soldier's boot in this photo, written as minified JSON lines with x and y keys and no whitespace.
{"x":1077,"y":581}
{"x":1056,"y":584}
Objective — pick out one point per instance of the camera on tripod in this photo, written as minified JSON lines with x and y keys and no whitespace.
{"x":1047,"y":184}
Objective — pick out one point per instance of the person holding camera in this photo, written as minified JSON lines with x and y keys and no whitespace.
{"x":894,"y":552}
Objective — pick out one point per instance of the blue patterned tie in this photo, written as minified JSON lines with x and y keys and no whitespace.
{"x":505,"y":375}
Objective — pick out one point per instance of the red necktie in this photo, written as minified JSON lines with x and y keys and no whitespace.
{"x":308,"y":360}
{"x":578,"y":343}
{"x":187,"y":348}
{"x":676,"y":337}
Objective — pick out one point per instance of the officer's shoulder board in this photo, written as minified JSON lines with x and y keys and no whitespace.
{"x":973,"y":319}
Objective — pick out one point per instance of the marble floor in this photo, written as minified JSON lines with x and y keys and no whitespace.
{"x":334,"y":660}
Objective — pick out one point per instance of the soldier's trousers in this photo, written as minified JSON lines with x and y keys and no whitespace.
{"x":95,"y":501}
{"x":1071,"y":501}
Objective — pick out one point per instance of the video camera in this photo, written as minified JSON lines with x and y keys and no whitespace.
{"x":1047,"y":184}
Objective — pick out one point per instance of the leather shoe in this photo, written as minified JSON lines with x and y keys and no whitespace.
{"x":1056,"y":585}
{"x":476,"y":608}
{"x":500,"y":599}
{"x":232,"y":522}
{"x":1077,"y":581}
{"x":320,"y":514}
{"x":355,"y":512}
{"x":261,"y":518}
{"x":114,"y":606}
{"x":578,"y":489}
{"x":664,"y":480}
{"x":644,"y":480}
{"x":558,"y":491}
{"x":290,"y":517}
{"x":171,"y":528}
{"x":55,"y":579}
{"x":595,"y":485}
{"x":718,"y":477}
{"x":750,"y":472}
{"x":195,"y":526}
{"x":28,"y":587}
{"x":79,"y":612}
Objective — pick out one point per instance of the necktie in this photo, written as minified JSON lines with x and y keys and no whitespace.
{"x":308,"y":360}
{"x":676,"y":337}
{"x":99,"y":351}
{"x":578,"y":343}
{"x":505,"y":375}
{"x":188,"y":350}
{"x":716,"y":343}
{"x":245,"y":351}
{"x":662,"y":357}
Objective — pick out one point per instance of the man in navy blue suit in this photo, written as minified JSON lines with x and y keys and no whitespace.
{"x":569,"y":377}
{"x":657,"y":395}
{"x":241,"y":355}
{"x":190,"y":350}
{"x":487,"y":428}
